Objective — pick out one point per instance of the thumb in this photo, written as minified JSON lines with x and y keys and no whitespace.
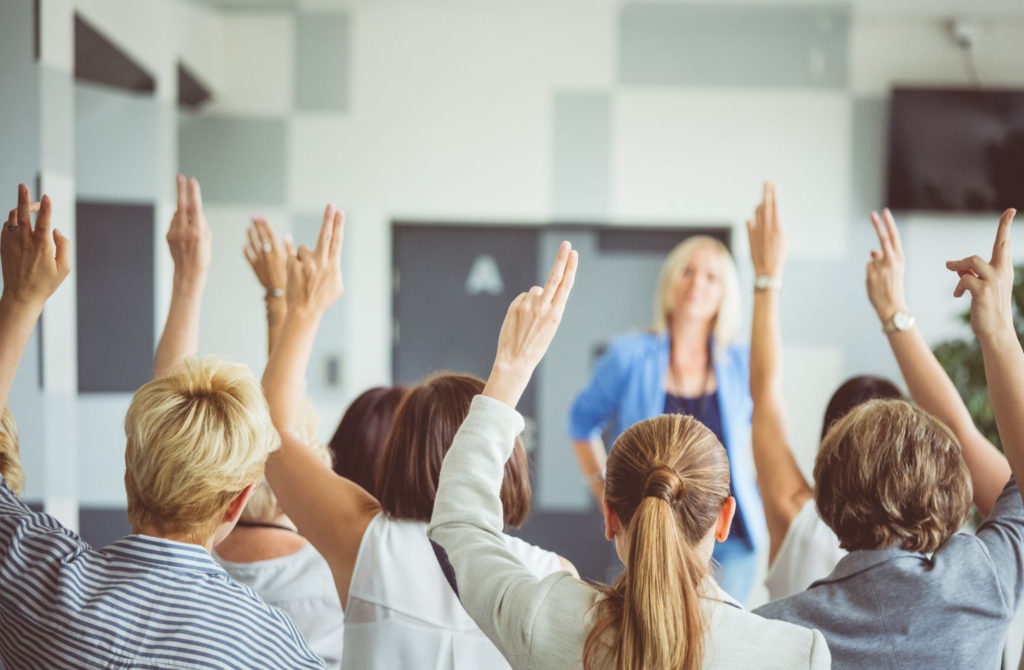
{"x":63,"y":256}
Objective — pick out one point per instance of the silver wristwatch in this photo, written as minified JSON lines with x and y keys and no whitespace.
{"x":898,"y":322}
{"x":767,"y":283}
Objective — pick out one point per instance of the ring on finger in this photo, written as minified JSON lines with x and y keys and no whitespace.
{"x":13,"y":226}
{"x":267,"y":248}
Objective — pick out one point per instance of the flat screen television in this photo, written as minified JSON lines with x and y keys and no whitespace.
{"x":956,"y":150}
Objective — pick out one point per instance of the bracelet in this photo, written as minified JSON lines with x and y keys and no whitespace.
{"x":767,"y":283}
{"x":274,"y":293}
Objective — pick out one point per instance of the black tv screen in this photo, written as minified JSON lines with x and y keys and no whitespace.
{"x":956,"y":150}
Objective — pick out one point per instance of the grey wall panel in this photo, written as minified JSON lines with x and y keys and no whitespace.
{"x":117,"y":152}
{"x":735,"y":45}
{"x":58,"y":136}
{"x":99,"y":60}
{"x":19,"y":132}
{"x":99,"y":526}
{"x":221,"y":152}
{"x":114,"y":266}
{"x":323,"y":62}
{"x":583,"y":155}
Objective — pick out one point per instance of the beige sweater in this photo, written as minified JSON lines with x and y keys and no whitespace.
{"x":543,"y":623}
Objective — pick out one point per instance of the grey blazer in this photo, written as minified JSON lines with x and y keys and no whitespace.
{"x":891,"y":608}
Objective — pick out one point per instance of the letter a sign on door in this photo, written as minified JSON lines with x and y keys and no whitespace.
{"x":484,"y":277}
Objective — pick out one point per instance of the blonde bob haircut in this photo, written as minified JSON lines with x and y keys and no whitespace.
{"x":263,"y":505}
{"x":196,"y":437}
{"x":10,"y":460}
{"x":890,"y":474}
{"x":727,"y":321}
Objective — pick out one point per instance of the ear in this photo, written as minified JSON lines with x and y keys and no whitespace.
{"x":612,"y":525}
{"x":725,"y":516}
{"x":237,"y":504}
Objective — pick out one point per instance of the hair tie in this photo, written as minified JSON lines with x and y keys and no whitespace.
{"x":665,"y":483}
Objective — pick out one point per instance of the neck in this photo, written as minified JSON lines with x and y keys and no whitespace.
{"x":689,"y":339}
{"x":280,"y":520}
{"x":184,"y":538}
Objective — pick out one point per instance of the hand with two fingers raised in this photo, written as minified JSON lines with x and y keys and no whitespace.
{"x":990,"y":284}
{"x":189,"y":235}
{"x":314,"y":276}
{"x":35,"y":259}
{"x":767,"y":239}
{"x":885,"y":270}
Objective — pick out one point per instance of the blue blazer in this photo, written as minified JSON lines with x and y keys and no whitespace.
{"x":629,"y":386}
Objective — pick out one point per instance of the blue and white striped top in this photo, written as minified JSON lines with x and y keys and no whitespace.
{"x":140,"y":602}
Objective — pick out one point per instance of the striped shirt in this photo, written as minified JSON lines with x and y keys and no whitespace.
{"x":140,"y":602}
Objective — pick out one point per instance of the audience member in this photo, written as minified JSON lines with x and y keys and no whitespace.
{"x":666,"y":501}
{"x":10,"y":457}
{"x":197,"y":440}
{"x":358,"y":443}
{"x":399,"y":611}
{"x":894,"y":486}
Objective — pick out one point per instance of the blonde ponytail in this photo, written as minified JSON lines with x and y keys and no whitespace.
{"x":668,"y":478}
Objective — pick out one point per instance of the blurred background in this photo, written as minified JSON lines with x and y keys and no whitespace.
{"x":464,"y":139}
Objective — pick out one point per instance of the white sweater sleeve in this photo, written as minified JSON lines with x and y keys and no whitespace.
{"x":535,"y":623}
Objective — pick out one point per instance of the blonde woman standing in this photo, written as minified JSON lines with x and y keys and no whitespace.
{"x":666,"y":502}
{"x":690,"y":364}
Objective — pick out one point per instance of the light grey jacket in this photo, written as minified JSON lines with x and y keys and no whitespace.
{"x":544,"y":623}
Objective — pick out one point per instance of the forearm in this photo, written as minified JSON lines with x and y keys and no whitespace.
{"x":592,"y":457}
{"x":932,"y":389}
{"x":17,"y":320}
{"x":1004,"y":370}
{"x":284,"y":378}
{"x":181,"y":330}
{"x":276,"y":311}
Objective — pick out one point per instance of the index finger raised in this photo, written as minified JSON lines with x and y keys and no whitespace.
{"x":1001,"y":247}
{"x":557,"y":270}
{"x":565,"y":285}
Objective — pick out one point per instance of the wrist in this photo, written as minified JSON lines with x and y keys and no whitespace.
{"x":189,"y":282}
{"x":21,"y":306}
{"x":996,"y":338}
{"x":887,"y":311}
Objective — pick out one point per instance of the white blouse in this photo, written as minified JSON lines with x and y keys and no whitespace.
{"x":402,"y":612}
{"x":809,"y":552}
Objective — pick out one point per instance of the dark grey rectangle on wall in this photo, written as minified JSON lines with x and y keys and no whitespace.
{"x":114,"y":265}
{"x":99,"y":526}
{"x":675,"y":44}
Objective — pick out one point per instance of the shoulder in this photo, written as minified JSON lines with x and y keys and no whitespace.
{"x":791,"y":645}
{"x":632,"y":345}
{"x":736,"y":354}
{"x":540,"y":562}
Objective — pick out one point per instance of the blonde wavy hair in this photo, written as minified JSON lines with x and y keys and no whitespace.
{"x":727,"y":322}
{"x":888,"y":473}
{"x":263,"y":505}
{"x":10,"y":459}
{"x":196,"y":437}
{"x":667,"y":481}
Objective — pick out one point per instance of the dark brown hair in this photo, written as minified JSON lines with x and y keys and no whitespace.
{"x":667,"y":480}
{"x":888,"y":473}
{"x":424,"y":426}
{"x":358,"y":442}
{"x":853,"y":392}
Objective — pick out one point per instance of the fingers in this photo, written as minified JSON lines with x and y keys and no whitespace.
{"x":43,"y":218}
{"x":1001,"y":248}
{"x":894,"y":233}
{"x":337,"y":235}
{"x":264,"y":233}
{"x":24,"y":207}
{"x":195,"y":198}
{"x":182,"y":201}
{"x":63,"y":257}
{"x":967,"y":282}
{"x":770,"y":203}
{"x":972,"y":265}
{"x":250,"y":255}
{"x":883,"y":235}
{"x":323,"y":242}
{"x":254,"y":238}
{"x":557,"y":270}
{"x":289,"y":248}
{"x":568,"y":278}
{"x":304,"y":254}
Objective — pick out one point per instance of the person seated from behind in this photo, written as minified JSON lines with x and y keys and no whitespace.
{"x":399,"y":610}
{"x":358,"y":443}
{"x":197,"y":440}
{"x":10,"y":457}
{"x":893,"y":485}
{"x":802,"y":547}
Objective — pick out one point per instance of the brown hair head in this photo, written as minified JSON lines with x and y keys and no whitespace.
{"x":667,"y":481}
{"x":424,"y":426}
{"x":888,"y":473}
{"x":358,"y":442}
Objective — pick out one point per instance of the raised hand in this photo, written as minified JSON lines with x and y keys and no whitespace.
{"x":267,"y":256}
{"x":767,"y":241}
{"x":35,"y":260}
{"x":529,"y":326}
{"x":314,"y":277}
{"x":885,"y":269}
{"x":990,"y":284}
{"x":189,"y":235}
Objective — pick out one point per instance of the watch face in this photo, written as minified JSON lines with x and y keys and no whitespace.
{"x":902,"y":321}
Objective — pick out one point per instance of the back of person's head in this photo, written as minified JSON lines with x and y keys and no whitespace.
{"x":358,"y":443}
{"x":853,"y":392}
{"x":197,"y":436}
{"x":890,"y":474}
{"x":667,"y":481}
{"x":424,"y":426}
{"x":263,"y":506}
{"x":10,"y":459}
